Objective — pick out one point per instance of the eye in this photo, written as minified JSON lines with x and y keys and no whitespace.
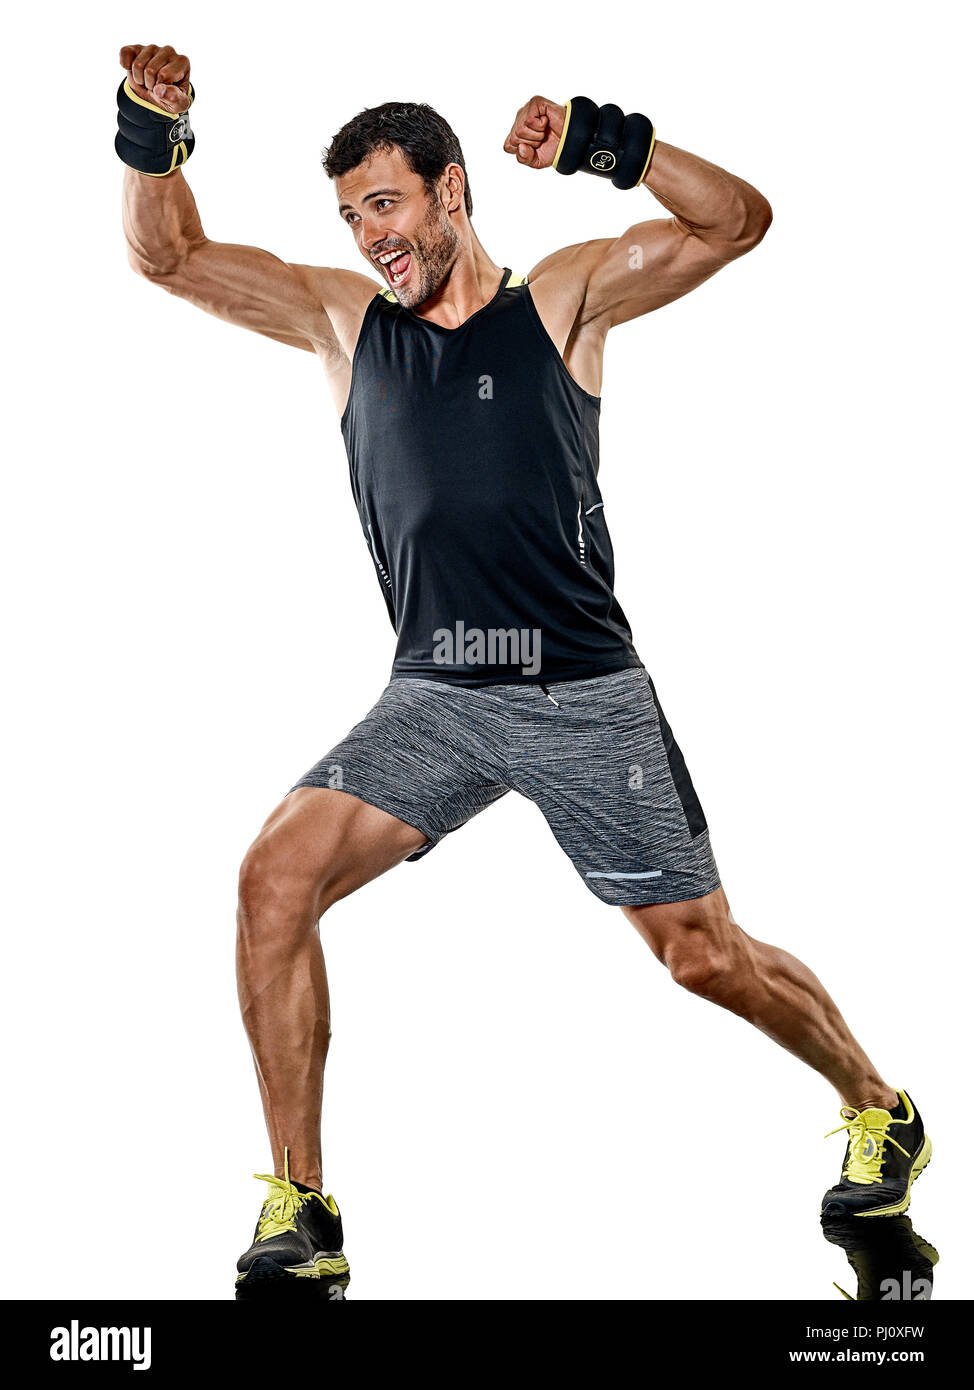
{"x":379,"y":202}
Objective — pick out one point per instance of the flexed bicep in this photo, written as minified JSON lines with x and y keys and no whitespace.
{"x":650,"y":265}
{"x":717,"y":218}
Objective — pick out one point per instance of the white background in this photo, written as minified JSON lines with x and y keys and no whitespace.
{"x":520,"y":1104}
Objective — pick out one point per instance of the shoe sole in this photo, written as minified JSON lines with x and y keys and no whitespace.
{"x":322,"y":1267}
{"x":897,"y":1208}
{"x":267,"y":1281}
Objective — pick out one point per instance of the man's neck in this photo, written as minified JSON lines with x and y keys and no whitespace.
{"x":471,"y":282}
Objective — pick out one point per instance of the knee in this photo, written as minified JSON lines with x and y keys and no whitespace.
{"x":710,"y":963}
{"x":273,"y":900}
{"x":699,"y":968}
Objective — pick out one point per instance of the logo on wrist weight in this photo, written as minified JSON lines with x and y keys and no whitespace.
{"x":603,"y":161}
{"x":180,"y":130}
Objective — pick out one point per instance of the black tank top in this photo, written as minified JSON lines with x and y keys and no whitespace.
{"x":474,"y":457}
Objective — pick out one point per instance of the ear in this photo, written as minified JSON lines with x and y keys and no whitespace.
{"x":452,"y":188}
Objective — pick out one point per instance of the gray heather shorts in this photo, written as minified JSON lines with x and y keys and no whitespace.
{"x":597,"y":756}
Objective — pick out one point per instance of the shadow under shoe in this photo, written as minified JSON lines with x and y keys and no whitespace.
{"x":886,"y":1150}
{"x":297,"y":1244}
{"x":890,"y":1261}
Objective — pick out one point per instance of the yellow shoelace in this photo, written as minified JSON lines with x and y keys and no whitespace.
{"x":865,"y":1147}
{"x":281,"y":1206}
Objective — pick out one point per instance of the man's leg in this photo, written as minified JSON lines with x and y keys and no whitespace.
{"x":316,"y":847}
{"x":707,"y":953}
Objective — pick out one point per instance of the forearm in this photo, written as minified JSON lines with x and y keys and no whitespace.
{"x":160,"y":221}
{"x":718,"y":207}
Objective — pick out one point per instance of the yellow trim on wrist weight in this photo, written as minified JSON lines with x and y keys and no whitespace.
{"x":652,"y":146}
{"x":151,"y":106}
{"x":176,"y":163}
{"x":564,"y":132}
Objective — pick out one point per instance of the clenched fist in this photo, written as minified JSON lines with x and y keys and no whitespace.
{"x":536,"y":132}
{"x":159,"y":75}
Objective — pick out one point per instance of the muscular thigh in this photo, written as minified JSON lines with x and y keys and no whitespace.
{"x":320,"y":844}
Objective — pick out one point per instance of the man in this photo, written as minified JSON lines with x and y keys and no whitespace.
{"x":468,"y":399}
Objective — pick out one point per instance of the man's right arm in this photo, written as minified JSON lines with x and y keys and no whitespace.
{"x":241,"y":284}
{"x":315,"y":308}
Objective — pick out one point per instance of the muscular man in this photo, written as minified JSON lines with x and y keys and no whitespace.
{"x":468,"y":398}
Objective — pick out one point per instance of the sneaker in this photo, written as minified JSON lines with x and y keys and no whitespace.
{"x":886,"y":1149}
{"x":298,"y":1239}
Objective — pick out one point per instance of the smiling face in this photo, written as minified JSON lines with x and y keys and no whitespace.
{"x":402,"y":227}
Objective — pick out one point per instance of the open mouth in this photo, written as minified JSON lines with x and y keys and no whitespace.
{"x":395,"y":264}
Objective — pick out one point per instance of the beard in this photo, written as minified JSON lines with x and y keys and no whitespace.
{"x":433,"y":254}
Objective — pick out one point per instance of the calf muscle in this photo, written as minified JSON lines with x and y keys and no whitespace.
{"x":315,"y":848}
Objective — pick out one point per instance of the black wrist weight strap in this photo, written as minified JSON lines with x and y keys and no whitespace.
{"x":150,"y":139}
{"x":601,"y":140}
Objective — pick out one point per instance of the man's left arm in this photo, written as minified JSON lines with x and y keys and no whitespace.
{"x":716,"y":217}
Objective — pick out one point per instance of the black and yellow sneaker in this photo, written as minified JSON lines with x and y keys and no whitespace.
{"x":297,"y":1243}
{"x":886,"y":1149}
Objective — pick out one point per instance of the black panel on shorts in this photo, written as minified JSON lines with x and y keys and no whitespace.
{"x":696,"y":820}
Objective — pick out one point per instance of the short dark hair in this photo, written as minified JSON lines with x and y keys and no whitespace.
{"x":427,"y":142}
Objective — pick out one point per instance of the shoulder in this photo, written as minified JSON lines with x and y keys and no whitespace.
{"x":345,"y":295}
{"x":559,"y":285}
{"x":571,"y":263}
{"x":343,"y":290}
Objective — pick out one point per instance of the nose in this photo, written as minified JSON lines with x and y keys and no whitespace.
{"x":371,"y":233}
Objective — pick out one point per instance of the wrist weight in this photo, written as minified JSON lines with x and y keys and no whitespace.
{"x":601,"y":140}
{"x":150,"y":139}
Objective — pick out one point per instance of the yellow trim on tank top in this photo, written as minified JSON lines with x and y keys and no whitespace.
{"x":513,"y":280}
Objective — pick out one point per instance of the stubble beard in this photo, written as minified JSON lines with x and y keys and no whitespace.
{"x":437,"y":244}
